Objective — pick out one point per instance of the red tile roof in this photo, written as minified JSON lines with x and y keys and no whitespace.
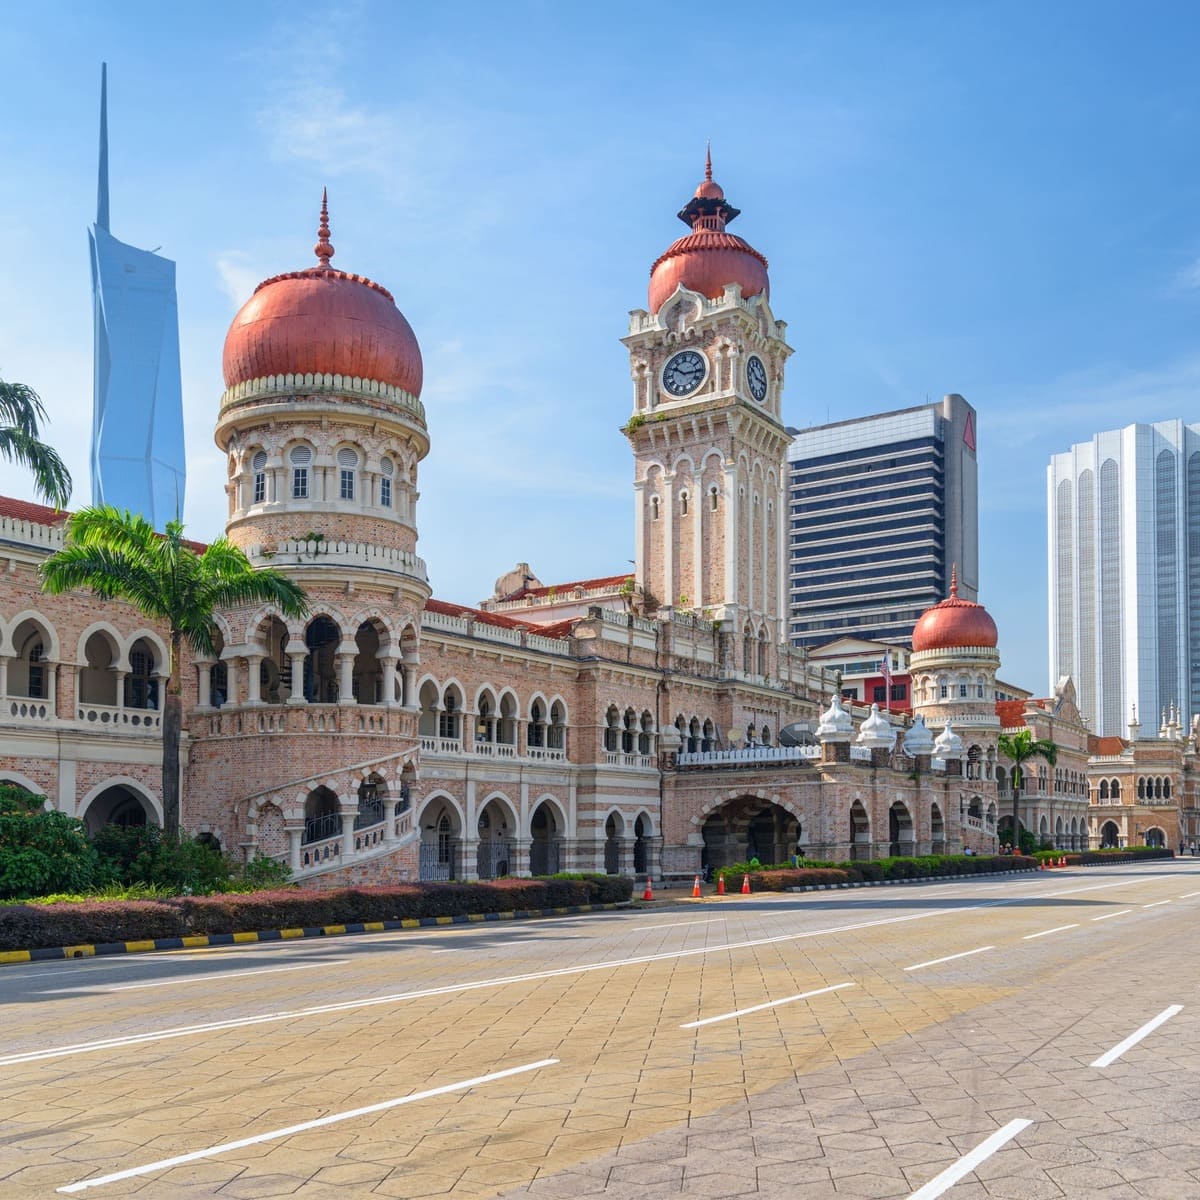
{"x":26,"y":510}
{"x":42,"y":514}
{"x":559,"y":629}
{"x":564,"y":590}
{"x":1011,"y":713}
{"x":1106,"y":745}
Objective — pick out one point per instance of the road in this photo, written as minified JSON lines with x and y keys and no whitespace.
{"x":1016,"y":1038}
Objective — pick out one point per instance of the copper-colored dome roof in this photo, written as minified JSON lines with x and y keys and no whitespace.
{"x":322,"y":321}
{"x":953,"y":623}
{"x":708,"y":258}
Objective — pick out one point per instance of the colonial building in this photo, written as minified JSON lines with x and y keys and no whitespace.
{"x":655,"y":722}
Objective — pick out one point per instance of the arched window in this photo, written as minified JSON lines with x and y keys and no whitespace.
{"x":258,"y":465}
{"x":629,"y":732}
{"x":557,"y":733}
{"x":646,"y":734}
{"x":707,"y":740}
{"x":448,"y":716}
{"x":347,"y":461}
{"x":748,"y":650}
{"x":1104,"y":789}
{"x":683,"y":504}
{"x":762,"y":652}
{"x":713,"y":498}
{"x":1141,"y":787}
{"x":485,"y":726}
{"x":536,"y":734}
{"x":141,"y":689}
{"x":693,"y":741}
{"x":1115,"y":791}
{"x":612,"y":729}
{"x":765,"y":735}
{"x":385,"y":483}
{"x":300,"y":458}
{"x":654,"y":508}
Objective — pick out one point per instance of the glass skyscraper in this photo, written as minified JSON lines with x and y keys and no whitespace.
{"x":137,"y":416}
{"x":881,"y":508}
{"x":1124,"y":542}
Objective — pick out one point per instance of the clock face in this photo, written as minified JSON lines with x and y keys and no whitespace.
{"x":684,"y":373}
{"x":756,"y":377}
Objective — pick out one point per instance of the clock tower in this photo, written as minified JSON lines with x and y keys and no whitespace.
{"x":707,"y":359}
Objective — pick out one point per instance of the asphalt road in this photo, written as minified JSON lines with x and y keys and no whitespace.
{"x":1017,"y":1038}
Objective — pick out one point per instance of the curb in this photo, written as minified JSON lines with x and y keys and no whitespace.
{"x":200,"y":941}
{"x":833,"y":887}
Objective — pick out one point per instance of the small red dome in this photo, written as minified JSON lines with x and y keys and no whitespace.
{"x":954,"y":623}
{"x":322,"y":321}
{"x":708,"y":259}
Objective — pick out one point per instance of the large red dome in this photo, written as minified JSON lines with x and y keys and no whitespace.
{"x":322,"y":321}
{"x":708,"y":259}
{"x":954,"y":623}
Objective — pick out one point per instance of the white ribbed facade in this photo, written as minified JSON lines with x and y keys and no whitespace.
{"x":1124,"y":569}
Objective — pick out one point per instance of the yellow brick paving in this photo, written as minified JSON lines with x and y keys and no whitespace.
{"x":627,"y":1072}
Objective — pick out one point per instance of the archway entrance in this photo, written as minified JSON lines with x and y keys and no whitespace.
{"x":749,"y":828}
{"x":322,"y":816}
{"x":641,"y":846}
{"x":1110,"y":835}
{"x":118,"y":805}
{"x":613,"y":828}
{"x":439,"y":842}
{"x":544,"y":841}
{"x":494,"y":854}
{"x":860,"y":832}
{"x":1156,"y":838}
{"x":900,"y":830}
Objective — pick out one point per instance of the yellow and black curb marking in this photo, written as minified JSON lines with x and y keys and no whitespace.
{"x":200,"y":941}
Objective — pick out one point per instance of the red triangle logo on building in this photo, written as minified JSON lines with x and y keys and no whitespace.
{"x":969,"y":432}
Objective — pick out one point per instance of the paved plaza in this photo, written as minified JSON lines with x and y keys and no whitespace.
{"x":1014,"y":1038}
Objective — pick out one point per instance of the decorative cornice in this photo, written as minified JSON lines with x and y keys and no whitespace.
{"x":278,"y":386}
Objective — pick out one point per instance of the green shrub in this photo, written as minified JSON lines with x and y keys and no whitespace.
{"x":42,"y":851}
{"x":144,"y":854}
{"x":261,"y":873}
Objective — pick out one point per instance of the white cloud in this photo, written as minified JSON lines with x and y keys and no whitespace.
{"x":238,"y":277}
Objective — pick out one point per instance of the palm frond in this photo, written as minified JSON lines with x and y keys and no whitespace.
{"x":52,"y":480}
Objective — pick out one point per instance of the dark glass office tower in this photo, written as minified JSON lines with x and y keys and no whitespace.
{"x":880,"y":508}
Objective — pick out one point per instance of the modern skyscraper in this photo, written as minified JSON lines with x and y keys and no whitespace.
{"x":881,"y":508}
{"x":137,"y":416}
{"x":1124,"y":550}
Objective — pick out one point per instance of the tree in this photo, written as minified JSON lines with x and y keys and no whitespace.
{"x":118,"y":555}
{"x":42,"y":851}
{"x":20,"y":442}
{"x":1020,"y":747}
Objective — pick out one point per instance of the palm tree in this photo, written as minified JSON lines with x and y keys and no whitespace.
{"x":118,"y":555}
{"x":20,"y":442}
{"x":1020,"y":747}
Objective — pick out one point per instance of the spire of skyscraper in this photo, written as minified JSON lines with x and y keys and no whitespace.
{"x":102,"y":182}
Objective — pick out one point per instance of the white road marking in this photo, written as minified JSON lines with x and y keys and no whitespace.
{"x":1189,"y":895}
{"x":1156,"y":903}
{"x":449,"y":950}
{"x":133,"y":987}
{"x":1132,"y":1040}
{"x":933,"y":962}
{"x":1045,"y":932}
{"x":741,"y":1012}
{"x":502,"y":981}
{"x":1116,"y":914}
{"x":288,"y":1131}
{"x":965,"y":1165}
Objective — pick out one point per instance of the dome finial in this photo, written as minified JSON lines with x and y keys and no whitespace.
{"x":954,"y":580}
{"x":324,"y":248}
{"x":708,"y":160}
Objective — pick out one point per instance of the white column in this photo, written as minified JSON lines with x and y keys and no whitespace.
{"x":731,"y":538}
{"x":52,"y":687}
{"x":205,"y":689}
{"x":231,"y":678}
{"x":764,"y":600}
{"x":784,"y":544}
{"x":699,"y":500}
{"x":668,"y":518}
{"x":296,"y":694}
{"x":345,"y":665}
{"x":4,"y":674}
{"x":253,"y":678}
{"x":387,"y":664}
{"x":348,"y":807}
{"x":295,"y":832}
{"x":639,"y":532}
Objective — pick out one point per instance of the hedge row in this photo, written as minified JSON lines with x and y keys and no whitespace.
{"x":779,"y":879}
{"x":1092,"y":858}
{"x":93,"y":922}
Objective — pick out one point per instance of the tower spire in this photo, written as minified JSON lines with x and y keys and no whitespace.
{"x":102,"y":181}
{"x":324,"y":247}
{"x":954,"y":580}
{"x":708,"y":160}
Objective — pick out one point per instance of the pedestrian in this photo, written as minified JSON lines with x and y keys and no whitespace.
{"x":1192,"y":849}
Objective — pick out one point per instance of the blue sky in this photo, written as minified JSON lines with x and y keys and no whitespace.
{"x":998,"y":199}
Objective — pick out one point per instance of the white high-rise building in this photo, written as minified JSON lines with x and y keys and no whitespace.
{"x":1124,"y":550}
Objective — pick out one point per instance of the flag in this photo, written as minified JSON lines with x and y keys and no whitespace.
{"x":885,"y":669}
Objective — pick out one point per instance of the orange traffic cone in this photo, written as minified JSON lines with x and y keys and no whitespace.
{"x":696,"y":888}
{"x":1062,"y":862}
{"x":720,"y":885}
{"x":648,"y":894}
{"x":745,"y":885}
{"x":1043,"y":864}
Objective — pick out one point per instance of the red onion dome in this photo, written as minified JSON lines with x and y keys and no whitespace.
{"x":322,"y":321}
{"x":708,"y":258}
{"x":954,"y":623}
